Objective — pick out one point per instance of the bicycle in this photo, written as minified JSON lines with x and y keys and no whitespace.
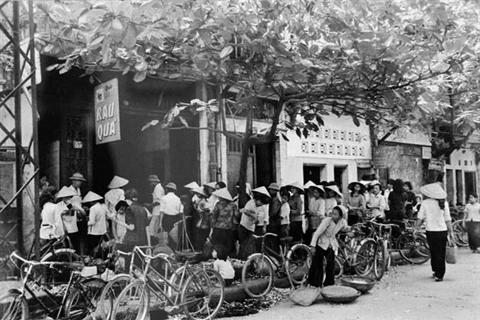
{"x":6,"y":249}
{"x":460,"y":235}
{"x":295,"y":261}
{"x":358,"y":255}
{"x":77,"y":301}
{"x":190,"y":291}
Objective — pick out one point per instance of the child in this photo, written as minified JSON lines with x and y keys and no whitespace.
{"x":285,"y":215}
{"x":222,"y":265}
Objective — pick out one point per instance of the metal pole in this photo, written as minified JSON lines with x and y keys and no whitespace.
{"x":36,"y":185}
{"x":18,"y":124}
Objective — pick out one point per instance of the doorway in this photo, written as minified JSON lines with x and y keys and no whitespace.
{"x":341,"y":178}
{"x":313,"y":173}
{"x":470,"y":184}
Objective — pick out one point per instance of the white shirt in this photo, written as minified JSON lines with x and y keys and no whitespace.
{"x":225,"y":269}
{"x":285,"y":214}
{"x":112,"y":197}
{"x":78,"y":192}
{"x":170,"y":204}
{"x":263,"y":217}
{"x":157,"y":195}
{"x":330,"y":203}
{"x":434,"y":216}
{"x":69,"y":222}
{"x":52,"y":225}
{"x":97,"y":221}
{"x":211,"y":202}
{"x":472,"y":211}
{"x":378,"y":204}
{"x":386,"y":193}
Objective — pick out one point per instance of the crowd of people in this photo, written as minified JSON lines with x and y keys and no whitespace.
{"x":212,"y":218}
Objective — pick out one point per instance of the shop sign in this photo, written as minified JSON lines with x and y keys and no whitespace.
{"x":436,"y":164}
{"x":426,"y":152}
{"x":107,"y":112}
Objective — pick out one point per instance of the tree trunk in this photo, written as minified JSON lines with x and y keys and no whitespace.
{"x":243,"y":197}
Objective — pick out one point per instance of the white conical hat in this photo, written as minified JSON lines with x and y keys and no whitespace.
{"x":296,"y":185}
{"x":192,"y":185}
{"x":210,"y":185}
{"x":117,"y":182}
{"x":66,"y":192}
{"x":334,"y":189}
{"x":199,"y":191}
{"x":262,"y":190}
{"x":434,"y":191}
{"x":308,"y":184}
{"x":91,"y":196}
{"x":224,"y":194}
{"x":318,"y":187}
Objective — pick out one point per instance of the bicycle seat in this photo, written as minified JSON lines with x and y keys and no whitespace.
{"x":70,"y":265}
{"x":286,"y":240}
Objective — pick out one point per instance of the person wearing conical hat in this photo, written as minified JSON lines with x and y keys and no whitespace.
{"x":67,"y":217}
{"x":211,"y":198}
{"x":115,"y":194}
{"x":97,"y":221}
{"x":274,"y":209}
{"x":376,"y":201}
{"x":202,"y":221}
{"x":296,"y":211}
{"x":316,"y":210}
{"x":250,"y":215}
{"x":435,"y":212}
{"x":333,"y":195}
{"x":224,"y":220}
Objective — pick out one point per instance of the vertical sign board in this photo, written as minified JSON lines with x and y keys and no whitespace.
{"x":107,"y":112}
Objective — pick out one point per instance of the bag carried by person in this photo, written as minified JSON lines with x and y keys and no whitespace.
{"x":304,"y":296}
{"x":451,"y":253}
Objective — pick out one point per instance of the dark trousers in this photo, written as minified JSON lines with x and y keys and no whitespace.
{"x":296,"y":231}
{"x":308,"y":236}
{"x":437,"y":241}
{"x":247,"y":242}
{"x":169,"y":221}
{"x":225,"y":238}
{"x":75,"y":240}
{"x":473,"y":229}
{"x":201,"y":236}
{"x":315,"y":275}
{"x":92,"y":242}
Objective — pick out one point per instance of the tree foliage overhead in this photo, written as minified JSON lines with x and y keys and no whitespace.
{"x":391,"y":62}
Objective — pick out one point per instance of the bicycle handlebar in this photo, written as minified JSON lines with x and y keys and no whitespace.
{"x":383,"y":225}
{"x":51,"y":264}
{"x":160,"y":255}
{"x":265,"y":235}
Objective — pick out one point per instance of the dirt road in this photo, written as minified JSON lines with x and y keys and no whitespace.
{"x":406,"y":292}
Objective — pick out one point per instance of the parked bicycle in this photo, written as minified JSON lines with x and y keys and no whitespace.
{"x":77,"y":301}
{"x":292,"y":260}
{"x":191,"y":291}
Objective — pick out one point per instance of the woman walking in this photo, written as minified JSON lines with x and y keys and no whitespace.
{"x":436,"y":214}
{"x":471,"y":220}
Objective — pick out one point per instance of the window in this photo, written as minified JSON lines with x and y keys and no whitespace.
{"x":314,"y":146}
{"x":305,"y":145}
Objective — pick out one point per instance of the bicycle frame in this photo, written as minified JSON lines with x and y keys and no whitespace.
{"x":73,"y":282}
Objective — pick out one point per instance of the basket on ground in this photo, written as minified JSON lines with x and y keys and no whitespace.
{"x":339,"y":294}
{"x":362,"y":284}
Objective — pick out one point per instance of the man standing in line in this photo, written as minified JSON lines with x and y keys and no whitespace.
{"x":157,"y":194}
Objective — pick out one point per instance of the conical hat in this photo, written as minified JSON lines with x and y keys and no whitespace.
{"x":66,"y":192}
{"x":210,"y":185}
{"x":351,"y":185}
{"x":262,"y":190}
{"x":308,"y":184}
{"x":318,"y":187}
{"x":117,"y":182}
{"x":434,"y":191}
{"x":335,"y":189}
{"x":224,"y":194}
{"x":296,"y":185}
{"x":274,"y":186}
{"x":91,"y":196}
{"x":199,"y":191}
{"x":192,"y":185}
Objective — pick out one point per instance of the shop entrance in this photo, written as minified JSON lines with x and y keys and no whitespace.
{"x":341,"y":178}
{"x":314,"y":173}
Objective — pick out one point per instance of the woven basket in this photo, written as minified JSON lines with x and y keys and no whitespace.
{"x":362,"y":284}
{"x":339,"y":294}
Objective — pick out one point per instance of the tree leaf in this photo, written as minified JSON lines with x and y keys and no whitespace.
{"x":130,"y":38}
{"x":355,"y":120}
{"x":285,"y":137}
{"x":226,"y":52}
{"x":320,"y":120}
{"x":298,"y":132}
{"x":140,"y":76}
{"x":150,"y":124}
{"x":183,"y":121}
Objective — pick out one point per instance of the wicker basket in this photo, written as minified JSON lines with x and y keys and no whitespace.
{"x":362,"y":284}
{"x":339,"y":294}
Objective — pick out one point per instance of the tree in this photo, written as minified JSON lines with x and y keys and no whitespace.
{"x":391,"y":63}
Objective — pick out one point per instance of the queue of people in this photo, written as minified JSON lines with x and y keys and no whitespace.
{"x":211,"y":216}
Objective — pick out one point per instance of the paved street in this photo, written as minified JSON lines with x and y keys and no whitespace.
{"x":406,"y":292}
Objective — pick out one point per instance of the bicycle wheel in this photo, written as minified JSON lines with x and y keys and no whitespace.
{"x":364,"y":258}
{"x":53,"y":276}
{"x":460,"y":235}
{"x":380,"y":260}
{"x":84,"y":301}
{"x":110,"y":293}
{"x":13,"y":307}
{"x":203,"y":294}
{"x":413,"y":249}
{"x":133,"y":302}
{"x":298,"y":262}
{"x":257,"y":275}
